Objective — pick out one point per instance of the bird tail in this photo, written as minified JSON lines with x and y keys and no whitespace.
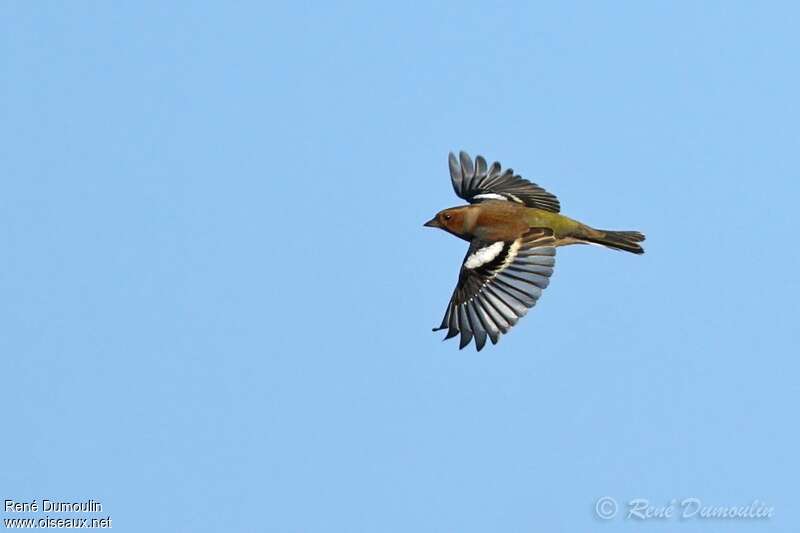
{"x":627,"y":241}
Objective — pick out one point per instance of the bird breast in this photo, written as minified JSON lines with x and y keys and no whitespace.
{"x":494,"y":222}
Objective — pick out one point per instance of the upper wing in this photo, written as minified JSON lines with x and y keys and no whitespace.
{"x":497,"y":285}
{"x":476,"y":183}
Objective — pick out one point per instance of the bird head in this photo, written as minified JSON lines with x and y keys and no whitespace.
{"x":450,"y":220}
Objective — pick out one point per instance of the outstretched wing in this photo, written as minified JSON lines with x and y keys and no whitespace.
{"x":498,"y":283}
{"x":478,"y":183}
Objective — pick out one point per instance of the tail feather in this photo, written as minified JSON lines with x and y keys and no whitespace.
{"x":627,"y":241}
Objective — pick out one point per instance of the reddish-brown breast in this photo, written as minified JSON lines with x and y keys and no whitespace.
{"x":499,"y":221}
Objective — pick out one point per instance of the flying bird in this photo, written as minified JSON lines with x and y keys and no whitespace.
{"x":513,"y":227}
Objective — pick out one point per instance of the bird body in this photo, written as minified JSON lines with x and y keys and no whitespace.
{"x":498,"y":220}
{"x":513,"y":227}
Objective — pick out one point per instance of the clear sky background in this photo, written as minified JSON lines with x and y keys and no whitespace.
{"x":216,"y":293}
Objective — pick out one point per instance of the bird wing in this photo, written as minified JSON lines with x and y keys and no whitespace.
{"x":479,"y":182}
{"x":498,"y":283}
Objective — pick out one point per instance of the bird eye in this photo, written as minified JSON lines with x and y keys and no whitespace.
{"x":447,"y":217}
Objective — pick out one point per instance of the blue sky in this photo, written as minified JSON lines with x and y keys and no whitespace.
{"x":217,"y":292}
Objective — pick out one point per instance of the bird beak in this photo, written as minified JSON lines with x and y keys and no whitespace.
{"x":432,"y":223}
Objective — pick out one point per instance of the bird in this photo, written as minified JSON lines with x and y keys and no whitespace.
{"x":513,"y":227}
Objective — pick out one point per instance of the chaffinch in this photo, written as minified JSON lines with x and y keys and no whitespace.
{"x":513,"y":227}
